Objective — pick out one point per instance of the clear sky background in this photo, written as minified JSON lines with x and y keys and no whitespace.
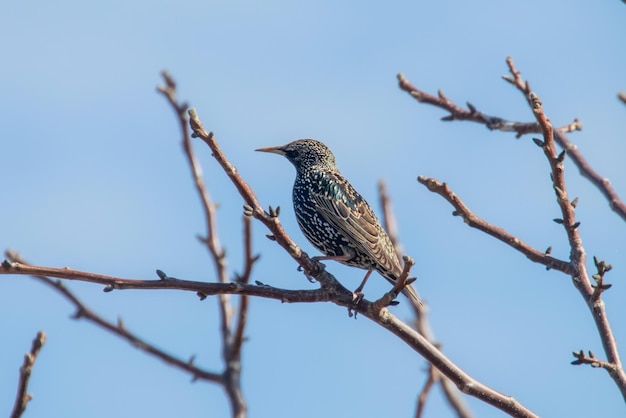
{"x":94,"y":178}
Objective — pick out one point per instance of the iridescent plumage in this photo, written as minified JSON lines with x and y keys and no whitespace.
{"x":334,"y":216}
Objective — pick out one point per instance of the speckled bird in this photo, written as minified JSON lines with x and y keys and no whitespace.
{"x":335,"y":217}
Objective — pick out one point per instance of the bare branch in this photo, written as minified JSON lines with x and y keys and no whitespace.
{"x":603,"y":184}
{"x":433,"y":377}
{"x":474,"y":221}
{"x":520,"y":128}
{"x":389,"y":220}
{"x":171,"y":283}
{"x":340,"y":296}
{"x":421,"y":322}
{"x":388,"y":298}
{"x":242,"y":318}
{"x":591,"y":360}
{"x":580,"y":276}
{"x":576,"y":268}
{"x":23,"y":397}
{"x":454,"y":399}
{"x":471,"y":114}
{"x":231,"y":349}
{"x":331,"y":290}
{"x":119,"y":329}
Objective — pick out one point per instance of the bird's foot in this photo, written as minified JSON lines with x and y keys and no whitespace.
{"x":393,"y":301}
{"x":357,"y":297}
{"x":319,"y":268}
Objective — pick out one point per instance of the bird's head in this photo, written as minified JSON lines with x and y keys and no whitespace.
{"x":305,"y":154}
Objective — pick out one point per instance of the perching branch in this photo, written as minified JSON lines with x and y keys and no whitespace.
{"x":327,"y":293}
{"x":23,"y":397}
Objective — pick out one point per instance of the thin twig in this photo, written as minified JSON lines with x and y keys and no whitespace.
{"x":520,"y":128}
{"x":433,"y":377}
{"x":603,"y":184}
{"x":590,"y":359}
{"x":474,"y":221}
{"x":579,"y":274}
{"x":576,"y":267}
{"x":339,"y":295}
{"x":421,"y":320}
{"x":23,"y":397}
{"x":242,"y":317}
{"x":231,"y":354}
{"x":389,"y":220}
{"x":119,"y":329}
{"x":388,"y":298}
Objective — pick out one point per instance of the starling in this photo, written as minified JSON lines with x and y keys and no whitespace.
{"x":334,"y":217}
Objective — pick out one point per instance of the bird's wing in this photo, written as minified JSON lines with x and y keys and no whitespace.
{"x":343,"y":207}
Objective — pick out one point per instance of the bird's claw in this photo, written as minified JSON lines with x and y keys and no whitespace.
{"x":357,"y":297}
{"x":308,"y":276}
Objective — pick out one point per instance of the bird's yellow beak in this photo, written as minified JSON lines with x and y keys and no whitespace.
{"x":273,"y":150}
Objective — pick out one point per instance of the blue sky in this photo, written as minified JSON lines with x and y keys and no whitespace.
{"x":94,"y":179}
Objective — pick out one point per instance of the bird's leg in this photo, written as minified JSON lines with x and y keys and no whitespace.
{"x":358,"y":292}
{"x":340,"y":258}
